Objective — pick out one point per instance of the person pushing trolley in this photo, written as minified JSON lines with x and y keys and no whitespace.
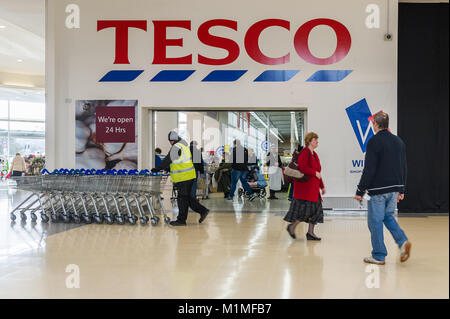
{"x":182,"y":173}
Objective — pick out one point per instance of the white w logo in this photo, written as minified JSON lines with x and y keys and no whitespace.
{"x":364,"y":136}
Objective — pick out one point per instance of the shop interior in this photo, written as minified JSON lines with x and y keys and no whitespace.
{"x":215,"y":131}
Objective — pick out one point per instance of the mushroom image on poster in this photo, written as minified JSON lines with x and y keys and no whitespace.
{"x":106,"y":134}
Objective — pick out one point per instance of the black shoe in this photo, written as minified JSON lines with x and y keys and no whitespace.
{"x":177,"y":223}
{"x":229,"y":198}
{"x":311,"y":237}
{"x":289,"y":232}
{"x":203,"y":216}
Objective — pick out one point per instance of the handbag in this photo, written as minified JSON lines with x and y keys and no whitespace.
{"x":293,"y":173}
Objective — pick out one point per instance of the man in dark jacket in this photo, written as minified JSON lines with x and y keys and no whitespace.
{"x":384,"y":179}
{"x":197,"y":159}
{"x":239,"y":170}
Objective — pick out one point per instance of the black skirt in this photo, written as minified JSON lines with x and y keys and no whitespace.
{"x":305,"y":211}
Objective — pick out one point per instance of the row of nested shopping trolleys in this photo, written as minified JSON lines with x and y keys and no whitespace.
{"x":77,"y":197}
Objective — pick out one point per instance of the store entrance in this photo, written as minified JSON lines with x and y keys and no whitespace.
{"x":215,"y":131}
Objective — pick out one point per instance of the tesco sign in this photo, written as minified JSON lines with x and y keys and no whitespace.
{"x":233,"y":49}
{"x":252,"y":35}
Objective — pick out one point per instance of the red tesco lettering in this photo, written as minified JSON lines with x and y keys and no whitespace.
{"x":251,"y":40}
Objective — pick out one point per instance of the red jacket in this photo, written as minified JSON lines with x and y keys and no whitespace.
{"x":308,"y":164}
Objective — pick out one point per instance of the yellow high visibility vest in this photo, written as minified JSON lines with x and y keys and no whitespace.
{"x":182,"y":169}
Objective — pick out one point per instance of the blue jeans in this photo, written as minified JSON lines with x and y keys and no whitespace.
{"x":381,"y":209}
{"x":194,"y":185}
{"x":239,"y":175}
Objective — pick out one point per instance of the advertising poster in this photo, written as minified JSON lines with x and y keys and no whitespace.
{"x":106,"y":134}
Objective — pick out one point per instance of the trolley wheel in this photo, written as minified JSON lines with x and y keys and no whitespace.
{"x":33,"y":217}
{"x":119,"y":219}
{"x":144,"y":221}
{"x":109,"y":220}
{"x":131,"y":220}
{"x":98,"y":219}
{"x":156,"y":217}
{"x":23,"y":216}
{"x":154,"y":221}
{"x":13,"y":217}
{"x":45,"y":218}
{"x":66,"y":219}
{"x":86,"y":218}
{"x":166,"y":219}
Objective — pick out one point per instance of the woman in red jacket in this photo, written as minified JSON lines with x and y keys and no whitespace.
{"x":307,"y":204}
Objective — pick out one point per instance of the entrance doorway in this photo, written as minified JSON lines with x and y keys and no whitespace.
{"x":260,"y":131}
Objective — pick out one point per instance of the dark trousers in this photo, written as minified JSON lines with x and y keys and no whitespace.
{"x":16,"y":173}
{"x":185,"y":200}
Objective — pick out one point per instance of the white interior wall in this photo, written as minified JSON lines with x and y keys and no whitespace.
{"x":77,"y":58}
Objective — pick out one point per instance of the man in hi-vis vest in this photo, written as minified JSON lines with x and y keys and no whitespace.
{"x":182,"y":173}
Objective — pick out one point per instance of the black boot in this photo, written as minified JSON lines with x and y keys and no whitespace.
{"x":177,"y":223}
{"x":272,"y":195}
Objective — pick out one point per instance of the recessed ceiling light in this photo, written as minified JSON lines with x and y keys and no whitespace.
{"x":19,"y":60}
{"x":2,"y":26}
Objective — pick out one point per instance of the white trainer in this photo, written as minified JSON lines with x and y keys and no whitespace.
{"x":371,"y":260}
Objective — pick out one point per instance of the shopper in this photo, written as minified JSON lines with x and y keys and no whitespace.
{"x":240,"y":170}
{"x":384,"y":179}
{"x":18,"y":166}
{"x":307,"y":203}
{"x":197,"y":159}
{"x":158,"y":159}
{"x":182,"y":173}
{"x":297,"y":151}
{"x":275,"y":173}
{"x":252,"y":159}
{"x":223,"y":176}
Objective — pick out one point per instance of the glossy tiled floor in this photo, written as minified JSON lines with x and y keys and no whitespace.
{"x":242,"y":250}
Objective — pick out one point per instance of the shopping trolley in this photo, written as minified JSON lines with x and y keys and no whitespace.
{"x":93,"y":196}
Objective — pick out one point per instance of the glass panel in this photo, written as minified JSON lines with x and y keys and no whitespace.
{"x":3,"y":127}
{"x":27,"y":110}
{"x":4,"y":109}
{"x":25,"y":134}
{"x":27,"y":145}
{"x":27,"y":127}
{"x":3,"y":147}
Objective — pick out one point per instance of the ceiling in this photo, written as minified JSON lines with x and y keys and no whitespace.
{"x":278,"y":120}
{"x":22,"y":36}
